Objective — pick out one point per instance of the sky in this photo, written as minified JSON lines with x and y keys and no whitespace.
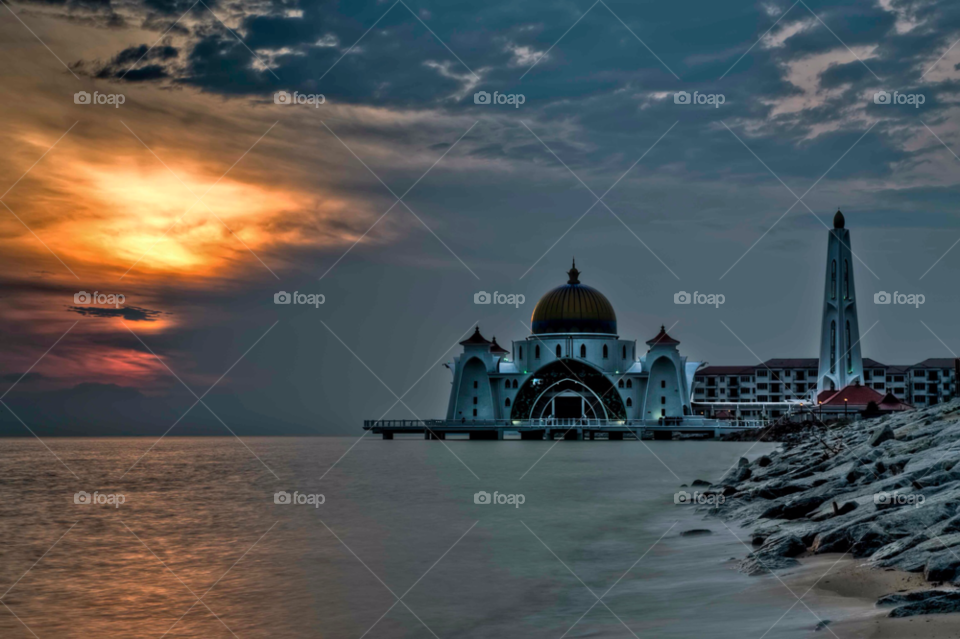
{"x":187,"y":162}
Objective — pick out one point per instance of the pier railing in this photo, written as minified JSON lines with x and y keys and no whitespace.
{"x":685,"y":423}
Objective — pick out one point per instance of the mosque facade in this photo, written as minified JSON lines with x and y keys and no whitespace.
{"x":574,"y":365}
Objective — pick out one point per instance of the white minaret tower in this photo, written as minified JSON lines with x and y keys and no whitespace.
{"x":840,"y":362}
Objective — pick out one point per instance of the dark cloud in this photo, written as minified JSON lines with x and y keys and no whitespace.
{"x":130,"y":313}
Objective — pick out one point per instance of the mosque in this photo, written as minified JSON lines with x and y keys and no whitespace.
{"x":574,"y":365}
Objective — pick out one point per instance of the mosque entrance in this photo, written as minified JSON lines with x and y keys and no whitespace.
{"x":568,"y":389}
{"x":569,"y":404}
{"x":568,"y":407}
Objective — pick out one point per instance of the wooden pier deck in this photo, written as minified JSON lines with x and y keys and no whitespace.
{"x":573,"y":429}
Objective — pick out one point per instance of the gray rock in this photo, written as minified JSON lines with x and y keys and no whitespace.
{"x":696,"y":532}
{"x":781,"y":489}
{"x":928,"y":606}
{"x":794,"y":508}
{"x":881,"y":436}
{"x":776,"y":553}
{"x":943,"y":567}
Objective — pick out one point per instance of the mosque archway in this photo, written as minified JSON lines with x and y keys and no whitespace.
{"x":568,"y":389}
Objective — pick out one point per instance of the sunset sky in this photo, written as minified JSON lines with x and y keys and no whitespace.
{"x":198,"y":198}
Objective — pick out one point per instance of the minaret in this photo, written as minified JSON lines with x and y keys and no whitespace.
{"x":840,"y":362}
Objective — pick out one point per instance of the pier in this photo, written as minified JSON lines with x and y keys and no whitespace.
{"x":571,"y":429}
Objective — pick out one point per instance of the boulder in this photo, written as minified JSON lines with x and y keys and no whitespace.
{"x":942,"y":567}
{"x":781,"y":489}
{"x":885,"y":434}
{"x":696,"y":532}
{"x":930,"y":602}
{"x":776,"y":553}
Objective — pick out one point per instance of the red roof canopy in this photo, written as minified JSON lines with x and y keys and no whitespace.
{"x":662,"y":338}
{"x":475,"y":339}
{"x":854,"y":394}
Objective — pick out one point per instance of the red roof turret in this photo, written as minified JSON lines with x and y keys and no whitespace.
{"x":496,"y":348}
{"x":476,"y":339}
{"x":663,"y":339}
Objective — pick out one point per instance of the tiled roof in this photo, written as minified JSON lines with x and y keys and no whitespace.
{"x":854,"y":394}
{"x":475,"y":339}
{"x":662,"y":339}
{"x":726,"y":370}
{"x":801,"y":362}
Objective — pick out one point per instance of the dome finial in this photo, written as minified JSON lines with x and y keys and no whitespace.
{"x":573,"y":273}
{"x":838,"y":220}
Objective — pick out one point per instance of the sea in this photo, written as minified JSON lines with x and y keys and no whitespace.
{"x":347,"y":537}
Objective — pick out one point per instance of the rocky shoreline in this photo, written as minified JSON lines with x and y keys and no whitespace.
{"x":886,"y":491}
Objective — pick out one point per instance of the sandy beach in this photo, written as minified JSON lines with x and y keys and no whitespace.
{"x":835,"y":580}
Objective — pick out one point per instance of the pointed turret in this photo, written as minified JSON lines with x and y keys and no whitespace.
{"x":840,"y":361}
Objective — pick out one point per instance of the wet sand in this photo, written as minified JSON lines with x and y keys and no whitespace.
{"x":849,"y":583}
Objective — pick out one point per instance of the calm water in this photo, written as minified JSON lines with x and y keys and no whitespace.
{"x":204,"y":513}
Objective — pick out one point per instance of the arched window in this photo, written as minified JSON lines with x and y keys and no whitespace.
{"x":833,"y":280}
{"x":849,"y":350}
{"x":629,"y":402}
{"x":620,"y":384}
{"x":833,"y":346}
{"x":624,"y":351}
{"x":507,"y":402}
{"x":663,"y":400}
{"x":604,"y":351}
{"x":536,"y":352}
{"x":583,"y":350}
{"x":476,"y":384}
{"x":514,"y":383}
{"x":663,"y":383}
{"x":558,"y":351}
{"x":520,"y":355}
{"x":629,"y":383}
{"x":846,"y":280}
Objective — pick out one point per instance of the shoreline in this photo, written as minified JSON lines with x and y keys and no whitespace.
{"x":863,"y":516}
{"x":840,"y":581}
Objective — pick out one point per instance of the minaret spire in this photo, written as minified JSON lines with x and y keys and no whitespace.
{"x":840,"y":360}
{"x":574,"y":273}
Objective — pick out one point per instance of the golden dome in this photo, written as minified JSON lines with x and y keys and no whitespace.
{"x":574,"y":308}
